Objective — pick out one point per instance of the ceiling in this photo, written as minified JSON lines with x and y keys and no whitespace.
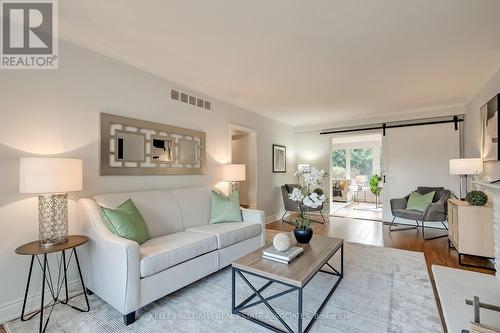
{"x":302,"y":62}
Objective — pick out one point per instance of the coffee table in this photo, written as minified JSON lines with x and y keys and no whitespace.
{"x":295,"y":276}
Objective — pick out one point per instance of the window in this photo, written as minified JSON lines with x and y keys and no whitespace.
{"x":361,"y":162}
{"x":339,"y":164}
{"x":347,"y":163}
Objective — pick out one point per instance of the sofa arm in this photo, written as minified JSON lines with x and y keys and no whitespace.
{"x":113,"y":263}
{"x":256,"y":216}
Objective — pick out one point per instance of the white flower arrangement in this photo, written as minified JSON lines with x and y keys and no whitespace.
{"x":311,"y":178}
{"x":296,"y":195}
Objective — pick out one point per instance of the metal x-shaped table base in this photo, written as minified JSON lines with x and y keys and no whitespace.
{"x":236,"y":309}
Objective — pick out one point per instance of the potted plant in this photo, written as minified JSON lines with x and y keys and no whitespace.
{"x":306,"y":198}
{"x":375,"y":188}
{"x":476,"y":198}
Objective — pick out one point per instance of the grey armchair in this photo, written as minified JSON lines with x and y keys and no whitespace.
{"x":437,"y":211}
{"x":293,"y":206}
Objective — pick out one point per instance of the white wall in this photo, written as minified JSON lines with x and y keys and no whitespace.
{"x":473,"y":124}
{"x":57,"y":113}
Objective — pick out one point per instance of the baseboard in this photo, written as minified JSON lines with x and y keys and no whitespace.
{"x":276,"y":217}
{"x":12,"y":310}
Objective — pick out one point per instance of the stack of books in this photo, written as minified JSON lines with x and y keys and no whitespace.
{"x":284,"y":257}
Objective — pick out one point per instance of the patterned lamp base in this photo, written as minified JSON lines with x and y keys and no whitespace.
{"x":53,"y":219}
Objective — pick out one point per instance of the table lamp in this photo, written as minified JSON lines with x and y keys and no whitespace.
{"x":464,"y":167}
{"x":361,"y":180}
{"x":51,"y":179}
{"x":233,"y":173}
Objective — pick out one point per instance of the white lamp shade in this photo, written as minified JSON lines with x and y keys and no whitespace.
{"x":361,"y":179}
{"x":466,"y":166}
{"x":49,"y":175}
{"x":233,"y":172}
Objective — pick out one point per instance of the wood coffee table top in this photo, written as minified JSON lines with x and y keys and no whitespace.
{"x":301,"y":270}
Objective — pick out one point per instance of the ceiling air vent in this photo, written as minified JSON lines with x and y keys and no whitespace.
{"x":190,"y":99}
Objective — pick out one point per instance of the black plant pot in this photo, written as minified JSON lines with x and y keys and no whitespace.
{"x":303,"y":236}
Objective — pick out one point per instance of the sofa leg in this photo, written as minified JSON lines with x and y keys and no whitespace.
{"x":129,"y":318}
{"x":89,"y":292}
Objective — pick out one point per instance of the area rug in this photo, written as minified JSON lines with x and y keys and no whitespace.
{"x":360,"y":210}
{"x":454,"y":286}
{"x":383,"y":290}
{"x":368,"y":207}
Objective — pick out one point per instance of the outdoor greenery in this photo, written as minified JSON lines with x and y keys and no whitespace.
{"x":339,"y":160}
{"x":361,"y":162}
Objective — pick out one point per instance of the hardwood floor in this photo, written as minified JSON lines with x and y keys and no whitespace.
{"x":436,"y":251}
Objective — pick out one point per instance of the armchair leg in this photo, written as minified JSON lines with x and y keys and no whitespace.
{"x":399,"y":229}
{"x":323,"y":217}
{"x":129,"y":318}
{"x":283,"y":218}
{"x":430,"y":238}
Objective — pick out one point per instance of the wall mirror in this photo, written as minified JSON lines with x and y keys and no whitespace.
{"x":130,"y":147}
{"x":136,"y":147}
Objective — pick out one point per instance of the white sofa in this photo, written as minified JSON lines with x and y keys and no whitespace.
{"x":183,"y":247}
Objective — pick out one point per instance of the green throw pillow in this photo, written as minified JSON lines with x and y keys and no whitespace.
{"x":225,"y":209}
{"x":419,"y":202}
{"x":126,"y":221}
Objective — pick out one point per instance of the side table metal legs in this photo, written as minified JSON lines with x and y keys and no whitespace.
{"x":54,"y":286}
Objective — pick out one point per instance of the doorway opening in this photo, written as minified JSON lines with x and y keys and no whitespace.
{"x":244,"y":151}
{"x":356,"y":176}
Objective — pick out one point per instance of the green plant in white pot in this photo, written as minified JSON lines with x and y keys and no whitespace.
{"x":375,"y":188}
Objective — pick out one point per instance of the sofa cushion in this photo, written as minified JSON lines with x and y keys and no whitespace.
{"x":158,"y":208}
{"x":225,"y":209}
{"x":419,"y":202}
{"x":126,"y":221}
{"x":160,"y":253}
{"x":194,"y":205}
{"x":230,"y":233}
{"x":408,"y":214}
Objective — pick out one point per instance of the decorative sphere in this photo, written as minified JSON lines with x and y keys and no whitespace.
{"x":281,"y":242}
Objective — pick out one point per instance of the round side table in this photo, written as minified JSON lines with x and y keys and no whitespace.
{"x":35,"y":250}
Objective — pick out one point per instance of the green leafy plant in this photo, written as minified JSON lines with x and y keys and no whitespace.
{"x":302,"y":223}
{"x":476,"y":198}
{"x":318,"y":191}
{"x":374,"y":184}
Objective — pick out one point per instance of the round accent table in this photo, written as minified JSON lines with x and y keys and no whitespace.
{"x":39,"y":252}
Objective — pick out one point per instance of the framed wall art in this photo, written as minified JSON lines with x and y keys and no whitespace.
{"x":279,"y":159}
{"x":489,"y":130}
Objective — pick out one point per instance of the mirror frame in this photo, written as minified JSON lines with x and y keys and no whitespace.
{"x":173,"y":133}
